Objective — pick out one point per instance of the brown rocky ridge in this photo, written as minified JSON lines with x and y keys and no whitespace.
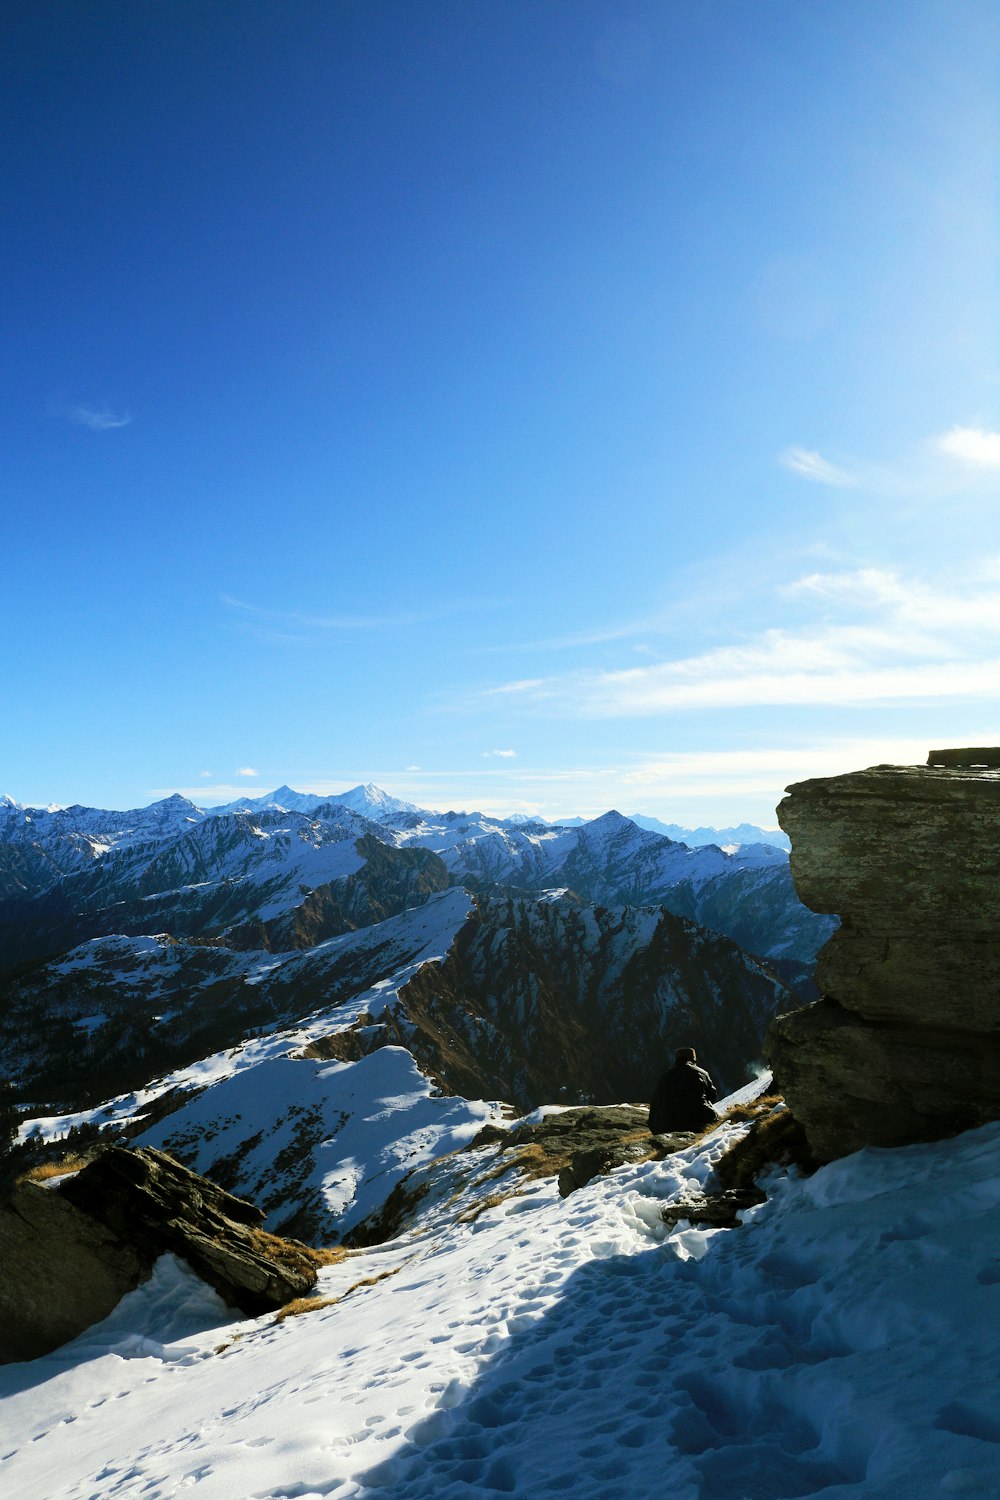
{"x":904,"y":1044}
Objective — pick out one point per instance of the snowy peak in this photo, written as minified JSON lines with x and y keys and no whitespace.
{"x":369,"y":800}
{"x":740,"y":834}
{"x":373,"y":801}
{"x":284,"y":799}
{"x":175,"y":804}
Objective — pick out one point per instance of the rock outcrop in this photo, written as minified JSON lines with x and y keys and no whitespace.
{"x":904,"y":1044}
{"x":70,"y":1252}
{"x":62,"y":1271}
{"x":146,"y":1196}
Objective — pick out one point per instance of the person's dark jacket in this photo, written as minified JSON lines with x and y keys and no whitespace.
{"x":683,"y":1100}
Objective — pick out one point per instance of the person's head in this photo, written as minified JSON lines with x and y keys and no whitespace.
{"x":686,"y":1054}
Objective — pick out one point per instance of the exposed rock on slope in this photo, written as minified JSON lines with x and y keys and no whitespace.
{"x":71,"y":1253}
{"x":147,"y":1197}
{"x":62,"y":1271}
{"x":904,"y":1045}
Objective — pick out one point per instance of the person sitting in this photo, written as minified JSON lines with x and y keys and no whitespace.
{"x":683,"y":1097}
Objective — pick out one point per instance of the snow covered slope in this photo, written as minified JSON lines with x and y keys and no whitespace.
{"x":319,"y":1145}
{"x":841,"y":1345}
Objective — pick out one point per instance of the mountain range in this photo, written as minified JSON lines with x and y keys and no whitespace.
{"x":370,"y":1020}
{"x":522,"y":960}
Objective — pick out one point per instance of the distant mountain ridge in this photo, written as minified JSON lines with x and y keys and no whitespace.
{"x":739,"y":833}
{"x":70,"y":874}
{"x":374,"y":802}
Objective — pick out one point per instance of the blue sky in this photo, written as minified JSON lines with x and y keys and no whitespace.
{"x":530,"y":406}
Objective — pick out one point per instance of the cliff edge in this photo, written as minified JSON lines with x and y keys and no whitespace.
{"x":904,"y":1044}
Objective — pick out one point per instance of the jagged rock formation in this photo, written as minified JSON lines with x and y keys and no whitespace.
{"x":540,"y":1000}
{"x":904,"y":1045}
{"x":150,"y":1199}
{"x":71,"y":1252}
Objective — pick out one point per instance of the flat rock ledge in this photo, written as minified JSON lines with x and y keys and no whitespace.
{"x":576,"y":1145}
{"x":904,"y":1045}
{"x":72,"y":1251}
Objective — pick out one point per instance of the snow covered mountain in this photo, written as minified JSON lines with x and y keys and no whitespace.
{"x":75,"y":873}
{"x":747,"y":894}
{"x":200,"y":877}
{"x":38,"y":846}
{"x":144,"y":941}
{"x":368,"y":800}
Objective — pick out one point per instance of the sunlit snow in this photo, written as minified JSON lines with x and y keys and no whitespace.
{"x":842,"y":1343}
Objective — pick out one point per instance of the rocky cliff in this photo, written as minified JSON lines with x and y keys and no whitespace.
{"x":905,"y":1043}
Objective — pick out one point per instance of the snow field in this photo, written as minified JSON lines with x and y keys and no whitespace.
{"x":842,"y":1343}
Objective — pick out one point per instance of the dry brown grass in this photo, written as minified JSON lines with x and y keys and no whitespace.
{"x":775,"y":1139}
{"x":751,"y":1111}
{"x":546,"y":1158}
{"x":293,"y":1253}
{"x":492,"y":1200}
{"x":46,"y":1170}
{"x":300,"y":1305}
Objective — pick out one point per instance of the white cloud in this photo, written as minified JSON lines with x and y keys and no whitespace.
{"x":972,"y":445}
{"x":913,"y":644}
{"x":503,"y":754}
{"x":751,"y":773}
{"x":814,"y":466}
{"x":206,"y":775}
{"x":247,"y":771}
{"x":99,"y":419}
{"x":951,"y":464}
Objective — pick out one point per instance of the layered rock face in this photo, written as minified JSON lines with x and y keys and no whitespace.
{"x":905,"y":1043}
{"x":71,"y":1252}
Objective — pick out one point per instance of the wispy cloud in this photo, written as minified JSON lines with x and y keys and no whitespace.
{"x":503,"y":754}
{"x":972,"y":445}
{"x":294,"y":627}
{"x":812,"y":465}
{"x":206,"y":775}
{"x":912,"y":644}
{"x":247,"y":771}
{"x":949,"y":463}
{"x":693,"y":785}
{"x":99,"y":418}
